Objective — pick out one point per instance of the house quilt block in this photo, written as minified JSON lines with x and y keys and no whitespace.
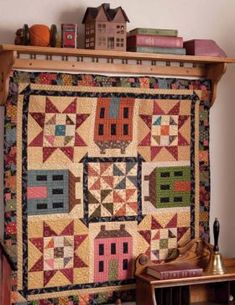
{"x":99,"y":169}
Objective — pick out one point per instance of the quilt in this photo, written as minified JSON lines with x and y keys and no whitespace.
{"x":99,"y":169}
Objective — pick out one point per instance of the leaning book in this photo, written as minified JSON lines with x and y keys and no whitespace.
{"x":173,"y":271}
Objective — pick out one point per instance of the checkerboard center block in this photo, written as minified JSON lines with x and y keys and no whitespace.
{"x":58,"y":252}
{"x":59,"y":130}
{"x":112,"y":188}
{"x":164,"y":130}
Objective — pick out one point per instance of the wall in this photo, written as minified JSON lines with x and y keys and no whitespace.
{"x":212,"y":19}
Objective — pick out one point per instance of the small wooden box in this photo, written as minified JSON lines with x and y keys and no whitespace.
{"x":69,"y":35}
{"x":203,"y":47}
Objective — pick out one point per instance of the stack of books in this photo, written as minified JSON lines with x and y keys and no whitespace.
{"x":174,"y":271}
{"x":162,"y":41}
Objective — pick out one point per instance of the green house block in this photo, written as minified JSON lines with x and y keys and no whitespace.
{"x":173,"y":186}
{"x":170,"y":187}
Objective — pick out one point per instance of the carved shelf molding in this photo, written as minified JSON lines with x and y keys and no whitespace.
{"x":104,"y":61}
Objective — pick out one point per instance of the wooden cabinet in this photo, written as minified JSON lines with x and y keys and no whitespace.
{"x":203,"y":290}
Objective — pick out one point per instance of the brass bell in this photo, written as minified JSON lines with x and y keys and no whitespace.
{"x":216,"y":265}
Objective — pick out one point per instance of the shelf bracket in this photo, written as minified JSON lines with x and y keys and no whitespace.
{"x":7,"y":59}
{"x":214,"y":73}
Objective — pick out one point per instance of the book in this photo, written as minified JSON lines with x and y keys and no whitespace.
{"x":154,"y":41}
{"x":149,"y":31}
{"x":203,"y":47}
{"x":158,"y":50}
{"x":173,"y":271}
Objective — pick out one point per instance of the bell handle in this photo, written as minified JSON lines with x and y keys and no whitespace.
{"x":216,"y":230}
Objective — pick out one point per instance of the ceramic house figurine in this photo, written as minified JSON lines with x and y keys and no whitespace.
{"x":105,"y":28}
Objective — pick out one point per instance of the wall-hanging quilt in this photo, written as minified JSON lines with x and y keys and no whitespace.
{"x":100,"y":169}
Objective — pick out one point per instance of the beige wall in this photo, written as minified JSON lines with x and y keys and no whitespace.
{"x":212,"y":19}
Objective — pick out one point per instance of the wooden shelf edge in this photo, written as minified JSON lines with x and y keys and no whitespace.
{"x":96,"y":67}
{"x":114,"y":54}
{"x":105,"y":61}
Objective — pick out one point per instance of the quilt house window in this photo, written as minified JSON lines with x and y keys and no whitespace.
{"x":101,"y":129}
{"x":101,"y":249}
{"x":125,"y":247}
{"x":113,"y":129}
{"x":125,"y":129}
{"x":113,"y":248}
{"x":58,"y":205}
{"x":102,"y":112}
{"x":125,"y":112}
{"x":101,"y":266}
{"x":41,"y":206}
{"x":125,"y":264}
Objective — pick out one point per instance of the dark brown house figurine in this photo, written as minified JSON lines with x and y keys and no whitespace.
{"x":105,"y":28}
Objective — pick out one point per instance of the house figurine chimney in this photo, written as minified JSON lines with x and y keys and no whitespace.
{"x":102,"y":228}
{"x":106,"y":6}
{"x":122,"y":227}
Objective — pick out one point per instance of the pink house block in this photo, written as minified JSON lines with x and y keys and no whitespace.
{"x":112,"y":255}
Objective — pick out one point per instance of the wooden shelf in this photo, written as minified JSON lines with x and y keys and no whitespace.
{"x":104,"y":61}
{"x":114,"y":54}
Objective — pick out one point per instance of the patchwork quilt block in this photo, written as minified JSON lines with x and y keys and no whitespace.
{"x":98,"y":170}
